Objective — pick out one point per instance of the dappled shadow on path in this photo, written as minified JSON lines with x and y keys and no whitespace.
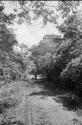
{"x":44,"y":86}
{"x":70,"y":103}
{"x":67,"y":98}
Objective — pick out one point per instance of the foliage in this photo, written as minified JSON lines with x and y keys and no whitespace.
{"x":58,"y":58}
{"x":10,"y":62}
{"x":64,"y":64}
{"x":41,"y":54}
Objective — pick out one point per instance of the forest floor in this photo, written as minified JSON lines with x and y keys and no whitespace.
{"x":32,"y":103}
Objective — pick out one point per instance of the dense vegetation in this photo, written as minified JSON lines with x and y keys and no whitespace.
{"x":58,"y":58}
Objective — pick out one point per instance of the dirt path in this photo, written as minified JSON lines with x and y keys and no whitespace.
{"x":42,"y":109}
{"x":38,"y":105}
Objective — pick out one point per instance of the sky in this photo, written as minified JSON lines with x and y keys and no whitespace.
{"x":31,"y":34}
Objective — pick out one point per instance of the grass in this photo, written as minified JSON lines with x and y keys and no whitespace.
{"x":11,"y":95}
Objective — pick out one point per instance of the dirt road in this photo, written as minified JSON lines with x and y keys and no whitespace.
{"x":42,"y":108}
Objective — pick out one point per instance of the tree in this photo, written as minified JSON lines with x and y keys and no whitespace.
{"x":63,"y":50}
{"x":43,"y":52}
{"x":8,"y":59}
{"x":22,"y":11}
{"x":69,"y":48}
